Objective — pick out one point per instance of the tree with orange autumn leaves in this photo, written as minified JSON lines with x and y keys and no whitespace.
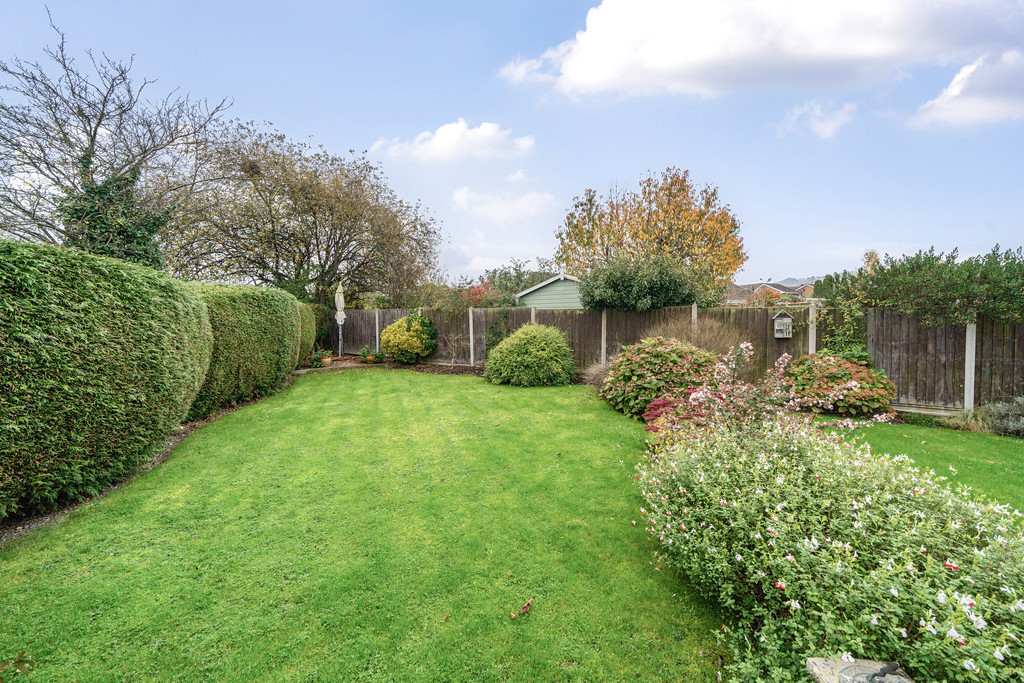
{"x":667,"y":215}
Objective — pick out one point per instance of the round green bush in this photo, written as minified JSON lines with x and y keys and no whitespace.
{"x":307,"y":331}
{"x":256,"y":334}
{"x":821,"y":377}
{"x":99,"y":360}
{"x":532,"y":356}
{"x":409,"y":339}
{"x":653,"y":368}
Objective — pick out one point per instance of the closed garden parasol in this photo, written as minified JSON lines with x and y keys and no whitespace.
{"x":339,"y":304}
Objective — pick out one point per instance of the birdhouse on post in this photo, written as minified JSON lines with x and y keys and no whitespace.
{"x":783,"y":325}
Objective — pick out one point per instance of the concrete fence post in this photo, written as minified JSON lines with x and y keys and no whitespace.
{"x":812,"y":328}
{"x":376,"y":326}
{"x":472,"y":347}
{"x":693,"y":313}
{"x":533,"y":315}
{"x":970,"y":351}
{"x":604,"y":334}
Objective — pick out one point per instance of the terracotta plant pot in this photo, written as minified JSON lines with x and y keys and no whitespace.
{"x":371,"y":359}
{"x":326,"y":360}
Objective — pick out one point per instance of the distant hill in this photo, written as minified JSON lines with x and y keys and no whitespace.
{"x":794,"y":281}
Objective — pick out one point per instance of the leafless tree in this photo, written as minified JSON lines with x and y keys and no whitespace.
{"x":54,"y":113}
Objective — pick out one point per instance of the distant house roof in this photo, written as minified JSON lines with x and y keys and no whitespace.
{"x":738,"y":294}
{"x":781,"y":289}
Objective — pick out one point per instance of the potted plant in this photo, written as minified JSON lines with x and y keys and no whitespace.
{"x":325,"y":357}
{"x":368,"y":355}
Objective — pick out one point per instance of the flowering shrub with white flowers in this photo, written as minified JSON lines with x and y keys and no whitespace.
{"x":819,"y":547}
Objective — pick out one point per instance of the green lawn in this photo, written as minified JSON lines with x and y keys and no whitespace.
{"x":992,"y":465}
{"x":367,"y":525}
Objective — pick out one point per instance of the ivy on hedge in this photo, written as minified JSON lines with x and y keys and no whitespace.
{"x":100,"y":361}
{"x":256,"y":336}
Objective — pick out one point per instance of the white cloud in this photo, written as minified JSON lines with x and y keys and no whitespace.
{"x":456,"y":142}
{"x":982,"y":92}
{"x":822,"y":122}
{"x":517,"y":177}
{"x":501,"y":210}
{"x":638,"y":47}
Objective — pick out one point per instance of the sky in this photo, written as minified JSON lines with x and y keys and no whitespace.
{"x":829,"y":128}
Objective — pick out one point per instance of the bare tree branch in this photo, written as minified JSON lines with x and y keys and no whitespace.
{"x":54,"y":113}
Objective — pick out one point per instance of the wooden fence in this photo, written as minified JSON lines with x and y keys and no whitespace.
{"x":593,"y":335}
{"x":943,"y":369}
{"x":935,"y":369}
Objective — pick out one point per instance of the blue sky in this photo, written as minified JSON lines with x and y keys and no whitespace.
{"x":829,"y":128}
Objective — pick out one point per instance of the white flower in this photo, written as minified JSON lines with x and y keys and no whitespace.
{"x":941,"y":597}
{"x":952,"y":634}
{"x":874,"y":621}
{"x":970,"y":665}
{"x":847,"y":657}
{"x":794,"y":604}
{"x":999,"y":654}
{"x":895,"y":593}
{"x":903,"y":632}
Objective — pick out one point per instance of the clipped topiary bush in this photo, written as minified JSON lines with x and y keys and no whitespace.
{"x":99,"y":360}
{"x":653,"y":368}
{"x":307,"y":330}
{"x":256,"y":333}
{"x":817,"y":546}
{"x":409,"y":339}
{"x":818,"y":376}
{"x":532,"y":356}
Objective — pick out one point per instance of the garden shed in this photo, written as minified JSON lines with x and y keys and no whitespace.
{"x":561,"y":291}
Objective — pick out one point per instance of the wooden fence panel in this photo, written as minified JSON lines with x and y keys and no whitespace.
{"x":925,"y":363}
{"x":493,"y":321}
{"x":999,"y":362}
{"x":626,"y":327}
{"x":452,"y":334}
{"x":359,"y":330}
{"x":581,"y":327}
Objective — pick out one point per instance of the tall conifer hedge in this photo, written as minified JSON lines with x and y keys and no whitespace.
{"x":256,"y":336}
{"x":99,"y":360}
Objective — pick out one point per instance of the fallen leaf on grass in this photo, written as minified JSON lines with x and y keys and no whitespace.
{"x":445,"y":617}
{"x":522,"y":610}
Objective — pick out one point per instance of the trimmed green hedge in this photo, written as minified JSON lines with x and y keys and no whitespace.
{"x":256,"y":335}
{"x":99,"y":360}
{"x":307,"y":332}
